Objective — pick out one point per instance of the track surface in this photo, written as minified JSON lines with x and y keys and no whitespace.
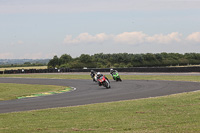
{"x":88,"y":92}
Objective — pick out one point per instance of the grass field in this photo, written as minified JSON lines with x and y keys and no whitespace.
{"x":124,"y":77}
{"x":175,"y":113}
{"x":16,"y":68}
{"x":10,"y":91}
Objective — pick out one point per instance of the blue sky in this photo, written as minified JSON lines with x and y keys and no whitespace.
{"x":44,"y":28}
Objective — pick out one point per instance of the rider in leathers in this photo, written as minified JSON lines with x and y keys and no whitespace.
{"x":92,"y":74}
{"x":99,"y":75}
{"x":113,"y":71}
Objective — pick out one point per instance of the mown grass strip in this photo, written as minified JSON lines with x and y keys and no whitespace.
{"x":45,"y":93}
{"x":16,"y":68}
{"x":10,"y":91}
{"x":49,"y":76}
{"x":193,"y":78}
{"x":174,"y":113}
{"x":124,"y":77}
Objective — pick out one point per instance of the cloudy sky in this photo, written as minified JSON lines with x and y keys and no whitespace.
{"x":38,"y":29}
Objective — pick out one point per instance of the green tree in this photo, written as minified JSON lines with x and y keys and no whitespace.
{"x":85,"y":58}
{"x":101,"y":60}
{"x":54,"y":62}
{"x":65,"y":58}
{"x":27,"y":63}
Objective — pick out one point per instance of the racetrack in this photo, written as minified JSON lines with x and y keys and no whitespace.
{"x":88,"y":92}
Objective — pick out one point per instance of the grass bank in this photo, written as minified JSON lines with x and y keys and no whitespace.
{"x":10,"y":91}
{"x":175,"y":113}
{"x":124,"y":77}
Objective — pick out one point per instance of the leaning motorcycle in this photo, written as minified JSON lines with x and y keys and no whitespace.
{"x":94,"y":77}
{"x":103,"y":81}
{"x":116,"y":76}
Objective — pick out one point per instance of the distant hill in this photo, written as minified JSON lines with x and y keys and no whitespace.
{"x":22,"y":61}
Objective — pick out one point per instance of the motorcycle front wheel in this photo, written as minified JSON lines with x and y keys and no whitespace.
{"x":107,"y":84}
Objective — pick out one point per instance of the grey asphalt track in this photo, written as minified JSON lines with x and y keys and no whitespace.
{"x":88,"y":92}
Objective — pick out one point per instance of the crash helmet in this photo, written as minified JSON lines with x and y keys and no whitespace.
{"x":92,"y":71}
{"x":111,"y":70}
{"x":98,"y":74}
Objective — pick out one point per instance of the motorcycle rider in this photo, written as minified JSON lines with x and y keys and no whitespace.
{"x":99,"y":75}
{"x":112,"y":72}
{"x":92,"y":74}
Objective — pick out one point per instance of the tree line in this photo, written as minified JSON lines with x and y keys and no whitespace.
{"x":121,"y":60}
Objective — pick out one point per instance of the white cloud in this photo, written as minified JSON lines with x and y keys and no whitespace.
{"x":194,"y":37}
{"x":20,"y":42}
{"x":164,"y":39}
{"x":130,"y":38}
{"x":87,"y":38}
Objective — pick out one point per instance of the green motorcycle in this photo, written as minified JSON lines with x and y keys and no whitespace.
{"x":116,"y":76}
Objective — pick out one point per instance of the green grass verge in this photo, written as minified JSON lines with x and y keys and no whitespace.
{"x":16,"y":68}
{"x":51,"y":76}
{"x":193,"y":78}
{"x":124,"y":77}
{"x":175,"y":113}
{"x":10,"y":91}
